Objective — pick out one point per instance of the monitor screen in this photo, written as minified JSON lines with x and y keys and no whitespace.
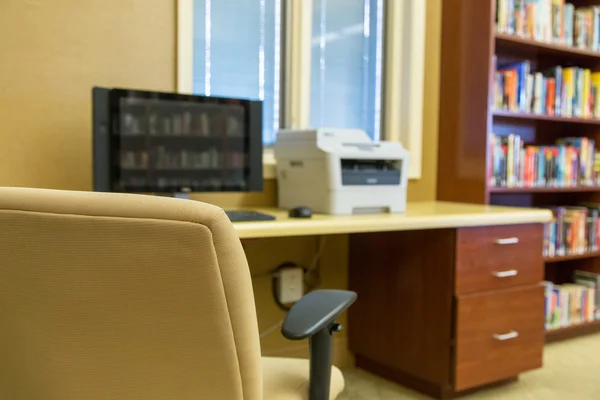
{"x":171,"y":143}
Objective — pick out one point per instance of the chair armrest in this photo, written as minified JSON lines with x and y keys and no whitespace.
{"x":315,"y":311}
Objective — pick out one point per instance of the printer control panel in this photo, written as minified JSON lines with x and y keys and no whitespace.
{"x":370,"y":172}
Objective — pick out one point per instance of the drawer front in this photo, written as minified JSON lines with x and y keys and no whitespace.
{"x":497,"y":257}
{"x":498,"y":335}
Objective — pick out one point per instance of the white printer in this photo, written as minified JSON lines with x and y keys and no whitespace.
{"x":340,"y":171}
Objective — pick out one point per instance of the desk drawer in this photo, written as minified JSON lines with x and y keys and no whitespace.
{"x":498,"y":335}
{"x":497,"y":257}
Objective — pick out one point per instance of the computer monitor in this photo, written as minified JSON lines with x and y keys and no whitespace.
{"x":168,"y":143}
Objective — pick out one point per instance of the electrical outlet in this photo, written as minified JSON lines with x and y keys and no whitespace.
{"x":291,"y":285}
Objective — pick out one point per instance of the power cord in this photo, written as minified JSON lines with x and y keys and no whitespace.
{"x":270,"y":329}
{"x":312,"y":275}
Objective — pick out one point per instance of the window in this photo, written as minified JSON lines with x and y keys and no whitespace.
{"x":237,"y":53}
{"x":346,"y":70}
{"x":348,"y":63}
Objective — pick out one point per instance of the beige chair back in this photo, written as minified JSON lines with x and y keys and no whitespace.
{"x":109,"y":296}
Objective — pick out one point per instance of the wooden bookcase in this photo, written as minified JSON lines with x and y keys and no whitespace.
{"x":467,"y":118}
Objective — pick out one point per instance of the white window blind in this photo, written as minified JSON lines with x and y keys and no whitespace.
{"x":237,"y":53}
{"x":347,"y":59}
{"x":333,"y":62}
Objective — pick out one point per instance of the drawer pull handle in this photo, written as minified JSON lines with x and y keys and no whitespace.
{"x":505,"y":274}
{"x":506,"y":336}
{"x":510,"y":240}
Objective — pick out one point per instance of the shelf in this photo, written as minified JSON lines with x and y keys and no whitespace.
{"x":572,"y":331}
{"x":543,"y":117}
{"x":568,"y":189}
{"x":515,"y":43}
{"x":159,"y":171}
{"x":176,"y":137}
{"x":590,"y":254}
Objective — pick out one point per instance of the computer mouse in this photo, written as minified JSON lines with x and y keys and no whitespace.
{"x":300,"y":212}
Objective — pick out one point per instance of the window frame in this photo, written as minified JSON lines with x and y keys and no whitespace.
{"x":404,"y":78}
{"x":403,"y":72}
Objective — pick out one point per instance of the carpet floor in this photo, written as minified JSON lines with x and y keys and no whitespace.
{"x":571,"y":371}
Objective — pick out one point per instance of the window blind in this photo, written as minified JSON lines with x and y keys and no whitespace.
{"x":346,"y":70}
{"x":237,"y":53}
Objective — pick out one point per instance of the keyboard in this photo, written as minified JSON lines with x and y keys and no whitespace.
{"x":247,"y":216}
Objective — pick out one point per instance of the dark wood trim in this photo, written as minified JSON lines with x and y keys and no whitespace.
{"x":465,"y":78}
{"x":569,"y":257}
{"x":572,"y":189}
{"x":470,"y":50}
{"x":478,"y":257}
{"x":556,"y":335}
{"x":403,"y":316}
{"x":516,"y":43}
{"x":482,"y":359}
{"x":544,"y":117}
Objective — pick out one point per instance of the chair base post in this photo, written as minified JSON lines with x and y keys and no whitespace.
{"x":321,"y":348}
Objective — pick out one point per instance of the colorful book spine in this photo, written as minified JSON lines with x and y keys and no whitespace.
{"x":565,"y":92}
{"x":571,"y":303}
{"x":552,"y":21}
{"x":592,"y":281}
{"x":573,"y":230}
{"x":573,"y":161}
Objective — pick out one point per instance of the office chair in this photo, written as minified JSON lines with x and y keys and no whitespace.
{"x":108,"y":296}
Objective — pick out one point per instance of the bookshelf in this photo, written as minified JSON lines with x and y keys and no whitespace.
{"x":568,"y":257}
{"x":572,"y":331}
{"x":472,"y":50}
{"x":541,"y":117}
{"x":549,"y":189}
{"x":515,"y":44}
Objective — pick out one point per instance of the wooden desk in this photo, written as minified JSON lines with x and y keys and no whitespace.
{"x":418,"y":216}
{"x":449,"y":294}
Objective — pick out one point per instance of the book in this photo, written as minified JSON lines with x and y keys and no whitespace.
{"x":590,"y":280}
{"x":556,"y":91}
{"x":571,"y":307}
{"x":573,"y":230}
{"x":570,"y":303}
{"x":550,"y":21}
{"x":573,"y":161}
{"x":550,"y":306}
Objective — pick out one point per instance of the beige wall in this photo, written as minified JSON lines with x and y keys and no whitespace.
{"x":53,"y":51}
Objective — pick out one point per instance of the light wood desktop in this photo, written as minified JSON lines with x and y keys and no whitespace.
{"x":418,"y":216}
{"x":450,"y":298}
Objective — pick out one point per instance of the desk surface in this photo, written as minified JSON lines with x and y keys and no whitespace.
{"x":419,"y":215}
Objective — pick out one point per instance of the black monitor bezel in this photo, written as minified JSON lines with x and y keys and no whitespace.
{"x":106,"y":109}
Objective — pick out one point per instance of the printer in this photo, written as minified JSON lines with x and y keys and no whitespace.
{"x":340,"y":171}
